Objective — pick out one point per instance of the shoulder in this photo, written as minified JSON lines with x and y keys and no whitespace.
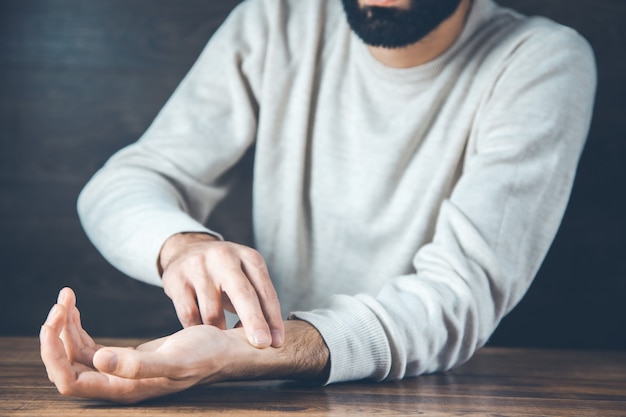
{"x":539,"y":39}
{"x":511,"y":49}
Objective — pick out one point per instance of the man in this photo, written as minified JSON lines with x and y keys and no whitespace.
{"x":412,"y":165}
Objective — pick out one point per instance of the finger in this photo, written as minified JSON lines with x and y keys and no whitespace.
{"x":67,"y":298}
{"x":83,"y":346}
{"x":85,"y":339}
{"x":210,"y":305}
{"x":61,"y":371}
{"x":187,"y":311}
{"x":57,"y":318}
{"x":246,"y":303}
{"x":79,"y":347}
{"x":79,"y":381}
{"x":135,"y":364}
{"x":185,"y":304}
{"x":52,"y":349}
{"x":256,"y":270}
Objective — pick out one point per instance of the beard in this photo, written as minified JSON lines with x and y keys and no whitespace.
{"x":391,"y":27}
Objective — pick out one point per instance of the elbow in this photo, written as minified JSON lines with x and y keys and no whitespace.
{"x":468,"y":324}
{"x":83,"y":203}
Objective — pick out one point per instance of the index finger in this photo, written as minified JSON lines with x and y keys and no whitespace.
{"x":258,"y":275}
{"x":253,"y":297}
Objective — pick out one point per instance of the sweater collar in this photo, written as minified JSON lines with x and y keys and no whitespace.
{"x":481,"y":11}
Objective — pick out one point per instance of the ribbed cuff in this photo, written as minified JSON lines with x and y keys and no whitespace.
{"x":355,"y":338}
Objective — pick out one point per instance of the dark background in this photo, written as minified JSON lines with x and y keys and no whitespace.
{"x":80,"y":79}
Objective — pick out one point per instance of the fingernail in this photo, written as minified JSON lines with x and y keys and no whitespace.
{"x":108,"y":361}
{"x":261,"y":338}
{"x":61,"y":297}
{"x":53,"y":312}
{"x":277,"y":337}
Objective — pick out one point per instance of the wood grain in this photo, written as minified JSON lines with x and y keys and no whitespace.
{"x":496,"y":382}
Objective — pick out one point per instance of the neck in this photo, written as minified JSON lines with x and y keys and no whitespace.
{"x":430,"y":47}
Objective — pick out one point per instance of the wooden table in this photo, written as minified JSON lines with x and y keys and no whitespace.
{"x":496,"y":382}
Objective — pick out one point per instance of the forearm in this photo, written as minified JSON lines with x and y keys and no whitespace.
{"x":128,"y":213}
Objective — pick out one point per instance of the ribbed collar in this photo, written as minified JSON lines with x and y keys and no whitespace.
{"x":480,"y":12}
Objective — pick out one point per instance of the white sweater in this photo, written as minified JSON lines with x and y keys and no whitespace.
{"x":402,"y":212}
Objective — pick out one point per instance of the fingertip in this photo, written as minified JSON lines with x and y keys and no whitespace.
{"x":261,"y":338}
{"x":66,"y":297}
{"x":278,"y":338}
{"x":55,"y":316}
{"x":105,"y":361}
{"x":63,"y":293}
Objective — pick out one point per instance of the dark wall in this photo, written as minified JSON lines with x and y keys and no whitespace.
{"x":81,"y":78}
{"x":578,"y":296}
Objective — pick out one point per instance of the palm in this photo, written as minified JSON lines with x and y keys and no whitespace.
{"x":189,"y":352}
{"x":159,"y":367}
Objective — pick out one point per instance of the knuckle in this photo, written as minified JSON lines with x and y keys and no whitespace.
{"x":196,"y":259}
{"x":255,"y":259}
{"x":268,"y":293}
{"x":172,"y":281}
{"x":131,"y":369}
{"x":171,"y":271}
{"x":242,"y":288}
{"x":211,"y":315}
{"x":192,"y":263}
{"x":186,"y":314}
{"x":204,"y":287}
{"x":269,"y":298}
{"x":219,"y":252}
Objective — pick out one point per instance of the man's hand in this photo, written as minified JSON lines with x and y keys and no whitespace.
{"x":195,"y":355}
{"x":203,"y":276}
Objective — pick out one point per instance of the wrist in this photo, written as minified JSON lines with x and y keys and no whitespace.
{"x":177,"y":244}
{"x":303,"y":356}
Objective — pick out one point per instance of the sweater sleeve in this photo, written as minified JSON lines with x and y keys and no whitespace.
{"x":170,"y":180}
{"x":491,"y":234}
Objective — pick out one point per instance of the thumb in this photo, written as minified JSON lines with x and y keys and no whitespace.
{"x":132,"y":364}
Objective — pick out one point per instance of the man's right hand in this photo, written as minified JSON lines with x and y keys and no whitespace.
{"x":203,"y":276}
